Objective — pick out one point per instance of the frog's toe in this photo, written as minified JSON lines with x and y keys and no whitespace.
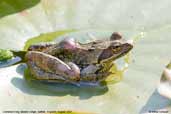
{"x":75,"y":71}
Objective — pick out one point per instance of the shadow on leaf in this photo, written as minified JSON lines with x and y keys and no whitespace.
{"x":35,"y":87}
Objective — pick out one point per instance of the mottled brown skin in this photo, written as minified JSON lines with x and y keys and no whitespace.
{"x":70,"y":61}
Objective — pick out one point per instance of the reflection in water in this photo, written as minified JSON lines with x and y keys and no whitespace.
{"x":35,"y":87}
{"x":55,"y":89}
{"x":9,"y":62}
{"x":21,"y":68}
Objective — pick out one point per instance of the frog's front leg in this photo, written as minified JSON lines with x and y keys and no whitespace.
{"x":50,"y":64}
{"x":91,"y":77}
{"x":92,"y":73}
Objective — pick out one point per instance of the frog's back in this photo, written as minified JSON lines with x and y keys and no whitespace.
{"x":40,"y":46}
{"x":98,"y":44}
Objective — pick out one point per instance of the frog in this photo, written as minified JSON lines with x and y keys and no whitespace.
{"x":70,"y":61}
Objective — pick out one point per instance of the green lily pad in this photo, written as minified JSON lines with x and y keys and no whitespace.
{"x":136,"y":93}
{"x":45,"y":38}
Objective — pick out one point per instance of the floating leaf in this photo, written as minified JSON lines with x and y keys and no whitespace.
{"x":49,"y":37}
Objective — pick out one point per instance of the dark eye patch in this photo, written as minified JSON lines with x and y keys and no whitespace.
{"x":105,"y":54}
{"x":116,"y":46}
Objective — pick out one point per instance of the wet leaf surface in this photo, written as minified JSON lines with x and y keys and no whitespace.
{"x":136,"y":93}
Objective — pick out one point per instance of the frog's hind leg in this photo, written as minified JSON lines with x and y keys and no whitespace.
{"x":40,"y":74}
{"x":51,"y":64}
{"x":40,"y":46}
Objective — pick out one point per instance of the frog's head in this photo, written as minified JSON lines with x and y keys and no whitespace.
{"x":118,"y":47}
